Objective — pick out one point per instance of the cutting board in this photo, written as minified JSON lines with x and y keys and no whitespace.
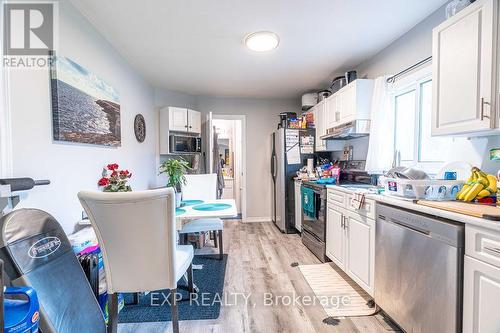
{"x":471,"y":209}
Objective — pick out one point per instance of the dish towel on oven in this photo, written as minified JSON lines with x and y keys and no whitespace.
{"x":308,"y":201}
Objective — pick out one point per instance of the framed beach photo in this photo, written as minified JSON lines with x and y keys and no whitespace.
{"x":85,"y":109}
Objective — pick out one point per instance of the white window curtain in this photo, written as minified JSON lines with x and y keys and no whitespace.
{"x":381,"y":143}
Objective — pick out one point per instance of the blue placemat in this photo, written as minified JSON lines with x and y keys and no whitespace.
{"x":191,"y":202}
{"x":212,"y":207}
{"x":179,"y":211}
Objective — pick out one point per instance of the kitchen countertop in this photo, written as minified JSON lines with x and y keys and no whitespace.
{"x":410,"y":205}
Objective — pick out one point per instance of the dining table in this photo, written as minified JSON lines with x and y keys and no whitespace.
{"x":192,"y":210}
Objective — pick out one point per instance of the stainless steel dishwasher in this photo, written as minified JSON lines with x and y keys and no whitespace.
{"x":419,"y":270}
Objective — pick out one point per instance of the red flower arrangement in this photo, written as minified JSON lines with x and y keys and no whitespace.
{"x":114,"y":180}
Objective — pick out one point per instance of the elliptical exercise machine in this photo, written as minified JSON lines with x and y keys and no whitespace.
{"x":36,"y":253}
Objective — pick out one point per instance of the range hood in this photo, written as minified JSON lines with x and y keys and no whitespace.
{"x":351,"y":130}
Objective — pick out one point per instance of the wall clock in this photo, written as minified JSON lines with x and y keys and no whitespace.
{"x":140,"y":128}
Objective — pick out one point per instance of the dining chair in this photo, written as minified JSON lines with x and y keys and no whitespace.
{"x":137,"y":236}
{"x":203,"y":187}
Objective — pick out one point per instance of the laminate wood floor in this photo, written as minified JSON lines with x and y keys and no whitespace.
{"x":259,"y":265}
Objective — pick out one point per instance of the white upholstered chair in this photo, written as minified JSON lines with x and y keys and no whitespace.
{"x":137,"y":235}
{"x":203,"y":187}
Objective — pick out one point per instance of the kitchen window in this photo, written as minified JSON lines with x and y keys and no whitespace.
{"x":412,"y":104}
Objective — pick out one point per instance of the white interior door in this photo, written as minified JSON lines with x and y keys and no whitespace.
{"x":240,"y":162}
{"x":238,"y":172}
{"x":210,"y":144}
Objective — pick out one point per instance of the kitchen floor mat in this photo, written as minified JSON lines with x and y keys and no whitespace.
{"x":336,"y":292}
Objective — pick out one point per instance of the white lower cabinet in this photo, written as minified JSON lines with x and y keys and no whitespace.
{"x":361,"y":250}
{"x":350,"y":240}
{"x":481,"y":297}
{"x":335,"y":238}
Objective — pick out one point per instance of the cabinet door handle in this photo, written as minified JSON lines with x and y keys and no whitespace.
{"x":483,"y":102}
{"x":492,"y":249}
{"x":342,"y":223}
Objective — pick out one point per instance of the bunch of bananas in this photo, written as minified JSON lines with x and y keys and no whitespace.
{"x":478,"y":186}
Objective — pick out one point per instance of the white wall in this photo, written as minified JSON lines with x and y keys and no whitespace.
{"x":73,"y":167}
{"x":409,"y":49}
{"x":172,"y":98}
{"x":261,"y":120}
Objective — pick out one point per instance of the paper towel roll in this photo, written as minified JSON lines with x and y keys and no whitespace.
{"x":310,"y":165}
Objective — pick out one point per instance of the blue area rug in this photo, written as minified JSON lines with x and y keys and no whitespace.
{"x":154,"y":307}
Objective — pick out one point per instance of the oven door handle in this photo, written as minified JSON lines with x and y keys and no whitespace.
{"x":312,"y":235}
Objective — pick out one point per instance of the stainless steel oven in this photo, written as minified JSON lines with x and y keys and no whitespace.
{"x":314,"y":228}
{"x":183,"y":144}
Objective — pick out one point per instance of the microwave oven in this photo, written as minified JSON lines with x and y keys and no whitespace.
{"x":183,"y":144}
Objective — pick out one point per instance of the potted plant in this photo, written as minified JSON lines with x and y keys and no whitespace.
{"x":114,"y":180}
{"x":175,"y":169}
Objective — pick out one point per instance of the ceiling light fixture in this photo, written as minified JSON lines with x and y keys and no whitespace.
{"x":262,"y":41}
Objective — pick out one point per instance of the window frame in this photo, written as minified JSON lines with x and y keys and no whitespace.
{"x":414,"y":82}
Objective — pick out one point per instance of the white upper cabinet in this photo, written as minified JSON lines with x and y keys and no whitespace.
{"x":348,"y":103}
{"x":332,"y":111}
{"x":464,"y":80}
{"x":194,"y":121}
{"x":184,"y":120}
{"x":353,"y":102}
{"x":177,"y":119}
{"x":319,"y":124}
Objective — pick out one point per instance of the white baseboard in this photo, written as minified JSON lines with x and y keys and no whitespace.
{"x":257,"y":219}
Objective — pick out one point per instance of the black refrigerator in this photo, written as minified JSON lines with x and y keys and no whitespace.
{"x":290,"y":150}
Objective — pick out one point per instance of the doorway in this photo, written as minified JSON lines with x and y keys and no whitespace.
{"x":231,"y":154}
